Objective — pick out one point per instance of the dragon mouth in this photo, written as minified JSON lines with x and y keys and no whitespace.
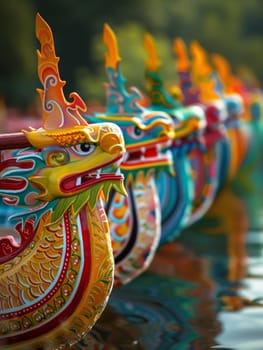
{"x":153,"y":155}
{"x":204,"y":138}
{"x":215,"y":129}
{"x":81,"y":181}
{"x":194,"y":140}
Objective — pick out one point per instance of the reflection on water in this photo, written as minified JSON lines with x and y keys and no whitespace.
{"x":202,"y":292}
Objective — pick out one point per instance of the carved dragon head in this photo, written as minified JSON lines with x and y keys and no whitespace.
{"x":66,"y":160}
{"x":207,"y":83}
{"x":229,"y":86}
{"x":147,"y":133}
{"x":189,"y":121}
{"x":199,"y":87}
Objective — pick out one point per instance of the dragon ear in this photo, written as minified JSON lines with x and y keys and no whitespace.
{"x":118,"y":100}
{"x":56,"y":111}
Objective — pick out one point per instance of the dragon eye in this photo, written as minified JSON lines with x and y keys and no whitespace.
{"x":83,"y":148}
{"x":135,"y":132}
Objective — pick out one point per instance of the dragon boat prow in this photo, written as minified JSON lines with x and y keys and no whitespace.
{"x":56,"y":279}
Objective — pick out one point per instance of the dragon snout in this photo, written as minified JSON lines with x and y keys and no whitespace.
{"x":169,"y":133}
{"x":112,"y":143}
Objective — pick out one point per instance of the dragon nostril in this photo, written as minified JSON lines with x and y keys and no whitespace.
{"x":117,"y":148}
{"x":112,"y":143}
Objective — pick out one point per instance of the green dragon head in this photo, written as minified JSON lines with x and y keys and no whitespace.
{"x":147,"y":133}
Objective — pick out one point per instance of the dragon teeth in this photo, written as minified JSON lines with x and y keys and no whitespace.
{"x":118,"y":171}
{"x":169,"y":155}
{"x":78,"y":181}
{"x":118,"y":162}
{"x":158,"y":147}
{"x":125,"y":157}
{"x":169,"y":143}
{"x":158,"y":150}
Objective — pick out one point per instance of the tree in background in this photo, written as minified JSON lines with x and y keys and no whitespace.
{"x":18,"y":58}
{"x":232,"y":28}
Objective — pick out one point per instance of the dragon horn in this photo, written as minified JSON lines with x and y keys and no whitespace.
{"x":190,"y":92}
{"x":224,"y":71}
{"x":153,"y":62}
{"x":200,"y":60}
{"x":203,"y":74}
{"x":112,"y":57}
{"x":57,"y":112}
{"x":182,"y":63}
{"x":159,"y":97}
{"x":118,"y":100}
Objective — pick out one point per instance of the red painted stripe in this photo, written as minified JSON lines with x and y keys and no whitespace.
{"x":78,"y":295}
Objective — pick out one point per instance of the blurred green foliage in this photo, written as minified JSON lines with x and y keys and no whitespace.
{"x":232,"y":28}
